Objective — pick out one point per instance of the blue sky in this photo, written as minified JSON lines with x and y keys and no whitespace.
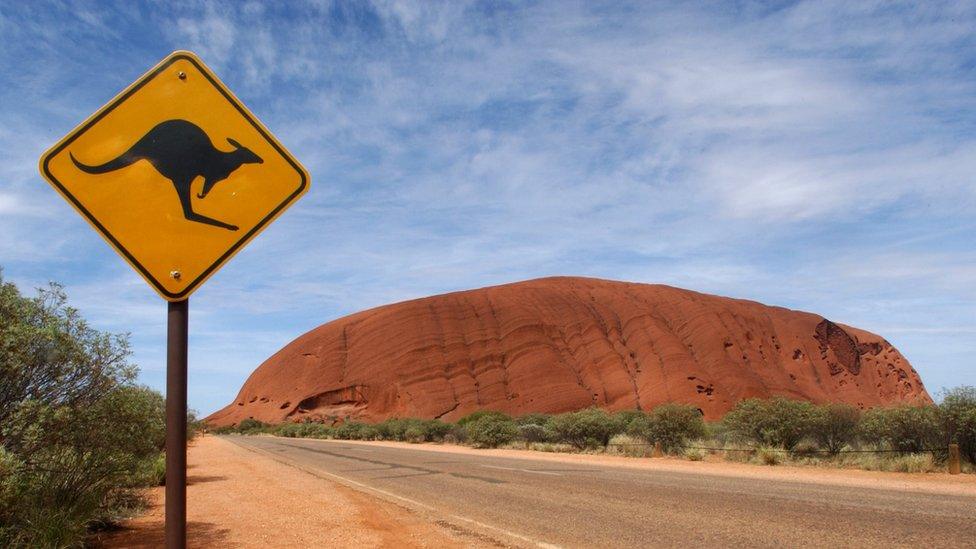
{"x":815,"y":155}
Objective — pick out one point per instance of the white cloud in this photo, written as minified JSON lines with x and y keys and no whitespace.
{"x":817,"y":156}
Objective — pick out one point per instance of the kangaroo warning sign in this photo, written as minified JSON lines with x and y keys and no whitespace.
{"x":176,"y":174}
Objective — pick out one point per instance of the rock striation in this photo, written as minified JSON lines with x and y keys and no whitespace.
{"x":558,"y":344}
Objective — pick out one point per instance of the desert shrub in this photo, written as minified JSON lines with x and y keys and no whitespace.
{"x":958,"y":412}
{"x":911,"y":463}
{"x":694,"y":454}
{"x":224,"y":430}
{"x":194,"y":425}
{"x":456,"y":434}
{"x":305,"y":429}
{"x":806,"y":449}
{"x":834,"y":426}
{"x":157,"y":474}
{"x":412,"y":430}
{"x":770,"y":422}
{"x":354,"y":430}
{"x":434,"y":430}
{"x":532,"y":419}
{"x":737,"y":455}
{"x":715,"y":430}
{"x":475,"y":416}
{"x":627,"y":445}
{"x":908,"y":429}
{"x":769,"y":456}
{"x":77,"y":436}
{"x":585,"y":428}
{"x":290,"y":430}
{"x":625,"y":417}
{"x":673,"y":425}
{"x":490,"y":430}
{"x":392,"y":429}
{"x":317,"y":430}
{"x":531,"y":432}
{"x":414,"y":434}
{"x":252,"y":426}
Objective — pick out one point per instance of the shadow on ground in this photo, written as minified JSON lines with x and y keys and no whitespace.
{"x":200,"y":479}
{"x":152,"y":534}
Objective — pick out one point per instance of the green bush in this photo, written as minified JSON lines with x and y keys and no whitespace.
{"x":625,"y":417}
{"x":194,"y":425}
{"x":769,"y":456}
{"x":157,"y":474}
{"x":412,"y":430}
{"x":414,"y":434}
{"x":77,"y":436}
{"x":908,"y":429}
{"x":533,"y":419}
{"x":490,"y":430}
{"x":289,"y":430}
{"x":392,"y":429}
{"x":958,"y":411}
{"x":475,"y":416}
{"x":912,"y":463}
{"x":774,"y":422}
{"x":834,"y":426}
{"x":456,"y":435}
{"x":354,"y":430}
{"x":585,"y":428}
{"x":673,"y":425}
{"x":252,"y":426}
{"x":317,"y":430}
{"x":305,"y":429}
{"x":531,"y":432}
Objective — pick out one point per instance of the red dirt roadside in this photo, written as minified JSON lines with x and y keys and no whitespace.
{"x":236,"y":498}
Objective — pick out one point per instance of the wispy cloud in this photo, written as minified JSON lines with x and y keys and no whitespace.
{"x":817,"y":155}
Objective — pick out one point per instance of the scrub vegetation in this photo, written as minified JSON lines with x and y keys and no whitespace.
{"x":78,"y":437}
{"x":761,"y":431}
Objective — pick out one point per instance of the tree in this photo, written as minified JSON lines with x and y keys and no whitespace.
{"x":904,"y":428}
{"x":673,"y":425}
{"x":835,"y":426}
{"x":585,"y":428}
{"x":77,"y":436}
{"x":958,"y":411}
{"x":771,"y":422}
{"x":491,"y":430}
{"x":49,"y":354}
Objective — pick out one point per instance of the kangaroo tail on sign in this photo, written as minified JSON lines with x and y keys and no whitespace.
{"x":122,"y":161}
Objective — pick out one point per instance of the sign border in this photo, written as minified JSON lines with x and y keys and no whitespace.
{"x":115,"y":102}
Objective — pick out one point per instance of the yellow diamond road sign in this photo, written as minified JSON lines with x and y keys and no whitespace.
{"x":176,"y":174}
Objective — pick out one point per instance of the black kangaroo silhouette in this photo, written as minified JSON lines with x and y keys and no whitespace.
{"x":181,"y":151}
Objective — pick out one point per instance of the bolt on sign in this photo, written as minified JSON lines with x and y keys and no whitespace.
{"x":176,"y":174}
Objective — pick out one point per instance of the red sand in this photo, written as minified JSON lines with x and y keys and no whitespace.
{"x":237,"y":498}
{"x":558,"y":344}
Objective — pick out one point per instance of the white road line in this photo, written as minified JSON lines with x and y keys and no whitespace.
{"x":523,"y":470}
{"x":365,"y":487}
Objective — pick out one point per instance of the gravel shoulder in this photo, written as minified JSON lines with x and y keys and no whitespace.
{"x":237,"y":498}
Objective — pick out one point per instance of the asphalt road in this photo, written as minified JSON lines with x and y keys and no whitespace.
{"x":519,"y":502}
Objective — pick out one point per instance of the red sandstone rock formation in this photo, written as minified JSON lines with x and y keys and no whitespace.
{"x":559,"y":344}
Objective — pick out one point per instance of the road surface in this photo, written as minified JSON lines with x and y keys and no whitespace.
{"x":528,"y":502}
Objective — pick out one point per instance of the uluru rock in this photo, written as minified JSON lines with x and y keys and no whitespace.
{"x":559,"y":344}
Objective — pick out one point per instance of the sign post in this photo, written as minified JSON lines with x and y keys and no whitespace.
{"x":177,"y":175}
{"x":176,"y":354}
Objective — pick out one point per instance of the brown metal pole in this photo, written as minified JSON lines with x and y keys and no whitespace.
{"x":176,"y":351}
